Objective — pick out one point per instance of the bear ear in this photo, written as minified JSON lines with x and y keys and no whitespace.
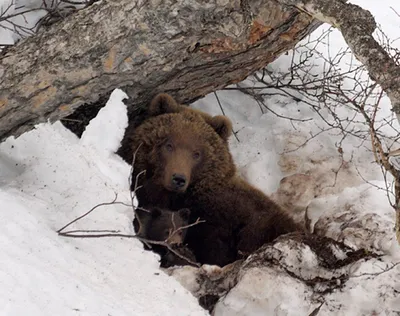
{"x":222,"y":125}
{"x":184,"y":213}
{"x":155,"y":212}
{"x":163,"y":103}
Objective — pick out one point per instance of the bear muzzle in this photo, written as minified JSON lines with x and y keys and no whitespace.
{"x":178,"y":182}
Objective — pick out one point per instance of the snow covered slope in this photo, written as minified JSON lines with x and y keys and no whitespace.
{"x":48,"y":178}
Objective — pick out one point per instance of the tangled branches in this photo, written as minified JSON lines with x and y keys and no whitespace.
{"x":23,"y":20}
{"x":116,"y":233}
{"x":77,"y":233}
{"x":348,"y":102}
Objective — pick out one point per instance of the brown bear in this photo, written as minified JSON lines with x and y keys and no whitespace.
{"x":162,"y":225}
{"x":188,"y":164}
{"x":158,"y":224}
{"x":161,"y":104}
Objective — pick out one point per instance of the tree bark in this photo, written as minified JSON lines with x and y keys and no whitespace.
{"x":185,"y":48}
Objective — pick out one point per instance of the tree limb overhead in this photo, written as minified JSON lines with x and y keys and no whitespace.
{"x":186,"y":48}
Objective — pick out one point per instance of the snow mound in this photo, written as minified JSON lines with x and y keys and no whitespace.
{"x":48,"y":178}
{"x":295,"y":278}
{"x":361,"y":217}
{"x":257,"y":294}
{"x":296,"y":275}
{"x":104,"y":133}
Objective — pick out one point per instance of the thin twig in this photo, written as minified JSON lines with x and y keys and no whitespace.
{"x":87,"y":213}
{"x":144,"y":240}
{"x":395,"y":11}
{"x":176,"y":230}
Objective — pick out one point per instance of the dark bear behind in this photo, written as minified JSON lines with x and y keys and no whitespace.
{"x":163,"y":225}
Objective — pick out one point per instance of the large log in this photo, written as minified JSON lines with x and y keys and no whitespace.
{"x":185,"y":48}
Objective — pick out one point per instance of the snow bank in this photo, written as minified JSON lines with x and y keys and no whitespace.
{"x":291,"y":278}
{"x":361,"y":217}
{"x":48,"y":178}
{"x":297,"y":275}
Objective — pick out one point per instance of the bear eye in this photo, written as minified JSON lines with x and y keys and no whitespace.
{"x":169,"y":146}
{"x":196,"y":155}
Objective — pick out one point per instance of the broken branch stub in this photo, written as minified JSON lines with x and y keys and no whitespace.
{"x":185,"y":48}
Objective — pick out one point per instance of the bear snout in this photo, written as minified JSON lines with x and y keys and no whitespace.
{"x":178,"y":182}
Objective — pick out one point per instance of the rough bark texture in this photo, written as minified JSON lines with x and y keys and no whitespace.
{"x":186,"y":48}
{"x":357,"y":26}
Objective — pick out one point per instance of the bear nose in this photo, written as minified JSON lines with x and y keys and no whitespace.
{"x":178,"y":180}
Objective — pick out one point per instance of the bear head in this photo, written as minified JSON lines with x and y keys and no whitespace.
{"x":181,"y":150}
{"x":163,"y":103}
{"x":158,"y":224}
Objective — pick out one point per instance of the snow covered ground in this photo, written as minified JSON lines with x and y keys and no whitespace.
{"x":48,"y":177}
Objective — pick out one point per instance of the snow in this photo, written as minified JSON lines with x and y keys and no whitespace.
{"x":113,"y":115}
{"x":256,"y":293}
{"x":359,"y":216}
{"x":279,"y":157}
{"x":48,"y":177}
{"x":266,"y":289}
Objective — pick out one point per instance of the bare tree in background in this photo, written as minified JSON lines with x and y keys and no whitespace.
{"x":15,"y":15}
{"x":327,"y":92}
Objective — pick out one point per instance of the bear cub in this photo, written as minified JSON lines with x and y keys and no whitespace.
{"x":157,"y":224}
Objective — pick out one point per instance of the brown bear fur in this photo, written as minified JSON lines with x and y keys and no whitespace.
{"x":238,"y":217}
{"x":170,"y":259}
{"x":156,"y":224}
{"x":162,"y":225}
{"x":163,"y":104}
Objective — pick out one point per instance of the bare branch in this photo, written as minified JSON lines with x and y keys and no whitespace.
{"x":116,"y":233}
{"x":357,"y":26}
{"x":177,"y":230}
{"x":87,"y":213}
{"x":51,"y":11}
{"x":72,"y":234}
{"x":395,"y":11}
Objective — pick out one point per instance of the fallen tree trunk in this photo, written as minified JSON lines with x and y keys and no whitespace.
{"x":185,"y":48}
